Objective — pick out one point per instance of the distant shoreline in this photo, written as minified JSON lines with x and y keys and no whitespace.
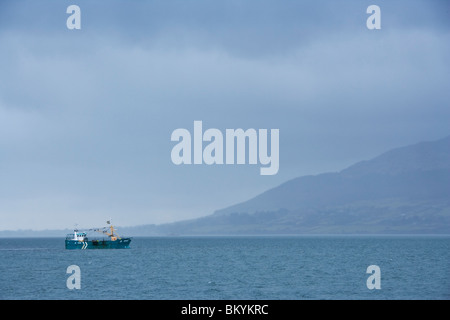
{"x":343,"y":235}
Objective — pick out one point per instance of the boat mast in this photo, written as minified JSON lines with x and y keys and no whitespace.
{"x":75,"y":231}
{"x":111,"y":227}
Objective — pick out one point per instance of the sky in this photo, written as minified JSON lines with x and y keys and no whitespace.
{"x":86,"y":115}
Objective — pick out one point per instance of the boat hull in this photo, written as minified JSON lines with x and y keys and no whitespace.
{"x":123,"y":243}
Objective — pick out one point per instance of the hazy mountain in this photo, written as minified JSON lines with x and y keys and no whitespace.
{"x":415,"y":172}
{"x":405,"y":190}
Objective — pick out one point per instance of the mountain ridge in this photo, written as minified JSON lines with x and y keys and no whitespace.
{"x":403,"y":190}
{"x":311,"y":187}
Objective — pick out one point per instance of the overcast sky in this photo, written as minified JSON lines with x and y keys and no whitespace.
{"x":86,"y":115}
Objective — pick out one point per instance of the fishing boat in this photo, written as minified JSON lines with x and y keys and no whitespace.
{"x":79,"y":239}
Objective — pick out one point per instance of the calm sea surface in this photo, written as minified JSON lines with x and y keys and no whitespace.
{"x":255,"y":268}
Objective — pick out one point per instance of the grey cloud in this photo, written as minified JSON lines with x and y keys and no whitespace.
{"x":86,"y":117}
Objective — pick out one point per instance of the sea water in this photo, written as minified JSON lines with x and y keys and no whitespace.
{"x":223,"y":268}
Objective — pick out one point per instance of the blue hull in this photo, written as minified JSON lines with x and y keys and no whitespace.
{"x":123,"y":243}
